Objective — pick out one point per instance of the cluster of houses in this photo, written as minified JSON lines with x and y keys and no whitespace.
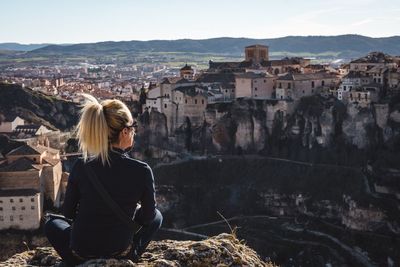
{"x":257,"y":77}
{"x":29,"y":175}
{"x":369,"y":78}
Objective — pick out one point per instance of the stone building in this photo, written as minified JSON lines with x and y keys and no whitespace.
{"x":297,"y":85}
{"x":33,"y":167}
{"x":257,"y":86}
{"x":20,"y":209}
{"x":256,"y":53}
{"x":256,"y":58}
{"x":29,"y":131}
{"x":9,"y":123}
{"x":187,"y":72}
{"x":373,"y":60}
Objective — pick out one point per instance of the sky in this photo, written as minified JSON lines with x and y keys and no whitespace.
{"x":85,"y":21}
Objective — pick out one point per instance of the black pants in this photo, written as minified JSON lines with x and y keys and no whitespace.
{"x":58,"y":233}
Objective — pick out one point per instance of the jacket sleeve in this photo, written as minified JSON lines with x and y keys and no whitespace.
{"x":147,"y":211}
{"x":71,"y":200}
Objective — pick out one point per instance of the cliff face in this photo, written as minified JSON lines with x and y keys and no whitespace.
{"x":37,"y":107}
{"x":313,"y":128}
{"x":221,"y":250}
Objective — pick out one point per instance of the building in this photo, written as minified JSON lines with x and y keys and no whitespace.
{"x":373,"y":59}
{"x":187,"y":72}
{"x":20,"y":209}
{"x":352,"y":81}
{"x":29,"y":131}
{"x":33,"y":167}
{"x":191,"y":103}
{"x":257,"y":86}
{"x":9,"y":123}
{"x":257,"y":58}
{"x":256,"y":53}
{"x":297,"y":85}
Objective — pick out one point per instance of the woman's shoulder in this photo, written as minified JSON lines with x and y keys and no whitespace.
{"x":135,"y":163}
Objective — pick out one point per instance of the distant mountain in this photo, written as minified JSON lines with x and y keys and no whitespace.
{"x":20,"y":47}
{"x":341,"y":46}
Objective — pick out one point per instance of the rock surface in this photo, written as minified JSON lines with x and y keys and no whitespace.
{"x":221,"y":250}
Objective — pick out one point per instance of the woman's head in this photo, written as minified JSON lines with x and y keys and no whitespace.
{"x":102,"y":125}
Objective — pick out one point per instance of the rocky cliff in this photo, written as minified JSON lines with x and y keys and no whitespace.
{"x":221,"y":250}
{"x":37,"y":107}
{"x":316,"y":129}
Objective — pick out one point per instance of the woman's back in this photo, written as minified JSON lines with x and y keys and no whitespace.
{"x":105,"y":131}
{"x":96,"y":229}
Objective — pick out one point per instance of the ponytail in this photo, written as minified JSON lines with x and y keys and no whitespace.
{"x":92,"y":130}
{"x":99,"y":126}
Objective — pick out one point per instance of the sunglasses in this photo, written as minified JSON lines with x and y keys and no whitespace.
{"x":133,"y":126}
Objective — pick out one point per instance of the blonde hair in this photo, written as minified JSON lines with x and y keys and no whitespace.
{"x":99,"y":126}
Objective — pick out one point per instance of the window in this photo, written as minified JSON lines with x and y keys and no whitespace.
{"x":312,"y":84}
{"x":202,"y":101}
{"x":265,"y":81}
{"x":32,"y":200}
{"x":21,"y":218}
{"x":323,"y":83}
{"x":195,"y":101}
{"x":185,"y":101}
{"x":280,"y":85}
{"x":303,"y":92}
{"x":1,"y":218}
{"x":21,"y":200}
{"x":32,"y":207}
{"x":226,"y":91}
{"x":13,"y":208}
{"x":289,"y":85}
{"x":11,"y":200}
{"x":165,"y":105}
{"x":255,"y":88}
{"x":312,"y":91}
{"x":1,"y":201}
{"x":1,"y":208}
{"x":23,"y":208}
{"x":11,"y":218}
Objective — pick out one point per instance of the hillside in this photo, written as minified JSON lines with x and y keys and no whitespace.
{"x":340,"y":46}
{"x":20,"y":47}
{"x":37,"y":107}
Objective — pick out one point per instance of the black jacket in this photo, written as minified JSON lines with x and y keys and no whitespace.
{"x":96,"y":231}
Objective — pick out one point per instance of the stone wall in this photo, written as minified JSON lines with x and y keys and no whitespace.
{"x":21,"y":180}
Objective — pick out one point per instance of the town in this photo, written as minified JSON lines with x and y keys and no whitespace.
{"x":32,"y":177}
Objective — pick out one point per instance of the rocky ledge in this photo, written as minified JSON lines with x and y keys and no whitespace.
{"x":221,"y":250}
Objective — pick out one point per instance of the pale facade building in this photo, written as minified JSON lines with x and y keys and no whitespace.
{"x":33,"y":167}
{"x":9,"y":124}
{"x":297,"y":85}
{"x":20,"y":209}
{"x":256,"y":86}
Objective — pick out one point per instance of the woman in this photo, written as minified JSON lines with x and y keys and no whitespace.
{"x":105,"y":133}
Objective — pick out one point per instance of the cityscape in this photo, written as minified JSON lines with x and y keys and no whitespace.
{"x":296,"y":153}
